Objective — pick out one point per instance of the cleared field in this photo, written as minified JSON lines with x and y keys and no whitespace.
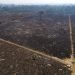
{"x":19,"y":60}
{"x":45,"y":35}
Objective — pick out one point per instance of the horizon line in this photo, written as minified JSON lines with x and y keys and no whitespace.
{"x":36,"y":4}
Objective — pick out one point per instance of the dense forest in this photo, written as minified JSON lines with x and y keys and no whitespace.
{"x":55,"y":9}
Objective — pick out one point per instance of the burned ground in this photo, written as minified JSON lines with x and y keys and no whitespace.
{"x":48,"y":33}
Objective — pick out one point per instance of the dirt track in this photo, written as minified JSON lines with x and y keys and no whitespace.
{"x":37,"y":52}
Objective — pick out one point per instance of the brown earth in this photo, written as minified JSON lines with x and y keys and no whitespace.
{"x":19,"y":60}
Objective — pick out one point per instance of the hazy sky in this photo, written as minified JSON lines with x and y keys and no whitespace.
{"x":37,"y":2}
